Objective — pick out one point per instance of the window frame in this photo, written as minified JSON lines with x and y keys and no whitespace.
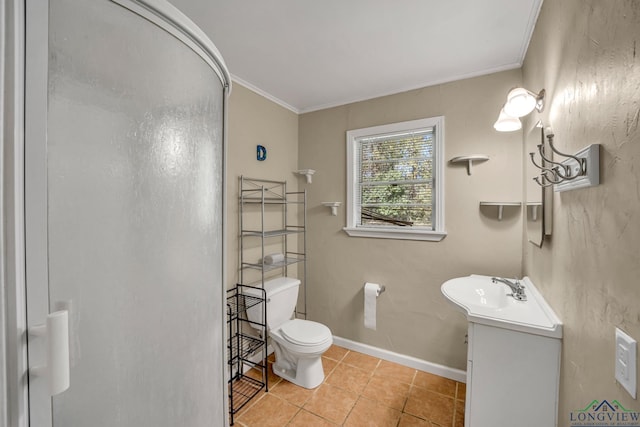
{"x":397,"y":232}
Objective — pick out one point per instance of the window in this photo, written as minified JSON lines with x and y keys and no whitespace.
{"x":395,"y":181}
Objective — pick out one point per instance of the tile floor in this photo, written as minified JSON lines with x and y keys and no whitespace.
{"x":358,"y":390}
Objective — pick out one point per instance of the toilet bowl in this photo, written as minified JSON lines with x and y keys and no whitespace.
{"x":298,"y":344}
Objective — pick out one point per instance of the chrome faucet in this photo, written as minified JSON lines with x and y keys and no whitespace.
{"x":516,"y":288}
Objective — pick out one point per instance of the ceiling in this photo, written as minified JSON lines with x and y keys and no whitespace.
{"x":307,"y":55}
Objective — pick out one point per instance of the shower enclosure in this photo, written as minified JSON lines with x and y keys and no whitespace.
{"x":124,"y":214}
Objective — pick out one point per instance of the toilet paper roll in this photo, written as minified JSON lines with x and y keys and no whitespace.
{"x":371,"y":292}
{"x":273,"y":259}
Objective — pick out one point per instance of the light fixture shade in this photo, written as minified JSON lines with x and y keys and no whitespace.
{"x":520,"y":102}
{"x":507,"y":123}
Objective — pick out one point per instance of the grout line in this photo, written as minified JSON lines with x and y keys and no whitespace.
{"x":350,"y":410}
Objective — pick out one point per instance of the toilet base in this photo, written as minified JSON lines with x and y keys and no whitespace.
{"x":308,"y":374}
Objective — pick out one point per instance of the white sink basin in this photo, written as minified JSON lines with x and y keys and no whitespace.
{"x":477,"y":292}
{"x":489,"y":303}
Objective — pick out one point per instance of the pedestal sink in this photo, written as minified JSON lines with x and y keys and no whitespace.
{"x":513,"y":351}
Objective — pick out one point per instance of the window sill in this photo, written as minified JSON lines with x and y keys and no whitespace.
{"x":399,"y":234}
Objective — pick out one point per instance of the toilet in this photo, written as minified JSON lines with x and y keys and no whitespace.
{"x":298,"y":344}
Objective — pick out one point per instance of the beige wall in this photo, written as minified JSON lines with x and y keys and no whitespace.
{"x":587,"y":56}
{"x":255,"y":120}
{"x":413,"y":317}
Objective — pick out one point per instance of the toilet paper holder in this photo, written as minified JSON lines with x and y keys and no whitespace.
{"x":381,"y":288}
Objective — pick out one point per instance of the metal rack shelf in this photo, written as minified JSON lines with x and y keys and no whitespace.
{"x":271,"y":233}
{"x":246,"y":351}
{"x":238,"y":304}
{"x":244,"y":388}
{"x":270,"y":267}
{"x":269,"y":201}
{"x":244,"y":346}
{"x":242,"y":350}
{"x":255,"y":194}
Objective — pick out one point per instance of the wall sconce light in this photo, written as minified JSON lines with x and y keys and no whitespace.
{"x":520,"y":102}
{"x":507,"y":123}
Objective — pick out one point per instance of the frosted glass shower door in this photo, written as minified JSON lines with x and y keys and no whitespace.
{"x":124,"y":207}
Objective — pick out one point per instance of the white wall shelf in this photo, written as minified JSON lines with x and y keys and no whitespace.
{"x":534,"y":206}
{"x":308,"y":173}
{"x":501,"y":206}
{"x":333,"y":205}
{"x":470,"y":159}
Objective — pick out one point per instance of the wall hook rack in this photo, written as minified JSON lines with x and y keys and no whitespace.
{"x":575,"y":171}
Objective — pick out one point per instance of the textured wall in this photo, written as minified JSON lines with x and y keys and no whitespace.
{"x":413,"y":317}
{"x":587,"y":56}
{"x":255,"y":120}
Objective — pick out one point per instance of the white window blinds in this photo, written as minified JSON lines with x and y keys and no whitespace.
{"x":395,"y":179}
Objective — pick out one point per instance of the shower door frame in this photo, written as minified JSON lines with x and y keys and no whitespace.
{"x":17,"y":110}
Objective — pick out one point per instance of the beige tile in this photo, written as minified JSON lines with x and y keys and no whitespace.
{"x":307,"y":419}
{"x":458,"y":415}
{"x":358,"y":391}
{"x":269,"y":411}
{"x":431,"y":406}
{"x":292,"y":393}
{"x":387,"y":391}
{"x":335,"y":352}
{"x":254,"y":373}
{"x":348,"y":378}
{"x":461,"y":392}
{"x":435,"y":383}
{"x":273,"y":378}
{"x":407,"y":420}
{"x":331,"y":403}
{"x":368,"y":413}
{"x":395,"y":371}
{"x":362,"y":361}
{"x":328,"y":365}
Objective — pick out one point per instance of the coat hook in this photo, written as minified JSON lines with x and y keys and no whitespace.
{"x":561,"y":172}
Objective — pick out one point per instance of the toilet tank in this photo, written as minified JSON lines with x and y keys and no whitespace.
{"x":282,"y":297}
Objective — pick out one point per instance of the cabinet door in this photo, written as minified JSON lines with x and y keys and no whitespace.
{"x":468,"y":397}
{"x":514,"y":378}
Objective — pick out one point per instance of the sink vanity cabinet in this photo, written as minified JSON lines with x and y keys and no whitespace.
{"x":512,"y":378}
{"x":513,"y":356}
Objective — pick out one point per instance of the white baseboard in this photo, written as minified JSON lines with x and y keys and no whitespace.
{"x":412,"y":362}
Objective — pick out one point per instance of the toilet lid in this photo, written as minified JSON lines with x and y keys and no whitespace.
{"x":305,"y":332}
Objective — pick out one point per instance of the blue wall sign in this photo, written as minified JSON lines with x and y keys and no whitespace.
{"x":261,"y":153}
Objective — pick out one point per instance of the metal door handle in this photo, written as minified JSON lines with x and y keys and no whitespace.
{"x":56,"y":331}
